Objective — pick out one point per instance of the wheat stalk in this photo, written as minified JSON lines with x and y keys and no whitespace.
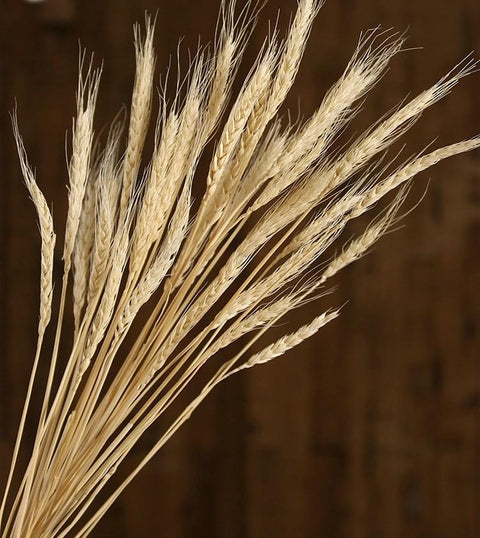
{"x":276,"y":191}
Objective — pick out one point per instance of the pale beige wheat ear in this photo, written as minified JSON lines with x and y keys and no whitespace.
{"x":208,"y":278}
{"x":47,"y":235}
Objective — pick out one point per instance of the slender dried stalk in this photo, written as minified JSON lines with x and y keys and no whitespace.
{"x":46,"y":286}
{"x":276,"y":200}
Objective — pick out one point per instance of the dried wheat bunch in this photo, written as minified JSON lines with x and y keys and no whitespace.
{"x":276,"y":198}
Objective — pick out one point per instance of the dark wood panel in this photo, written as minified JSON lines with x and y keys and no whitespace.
{"x":371,"y":429}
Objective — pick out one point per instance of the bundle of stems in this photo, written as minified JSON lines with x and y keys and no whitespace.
{"x":258,"y":244}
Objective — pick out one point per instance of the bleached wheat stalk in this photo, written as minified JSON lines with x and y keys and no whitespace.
{"x":280,"y":192}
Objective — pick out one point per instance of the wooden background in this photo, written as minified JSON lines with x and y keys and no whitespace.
{"x":371,"y":429}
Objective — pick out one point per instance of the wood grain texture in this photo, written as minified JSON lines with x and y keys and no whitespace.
{"x":370,"y":429}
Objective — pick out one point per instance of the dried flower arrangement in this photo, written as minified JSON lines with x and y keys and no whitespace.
{"x":276,"y":199}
